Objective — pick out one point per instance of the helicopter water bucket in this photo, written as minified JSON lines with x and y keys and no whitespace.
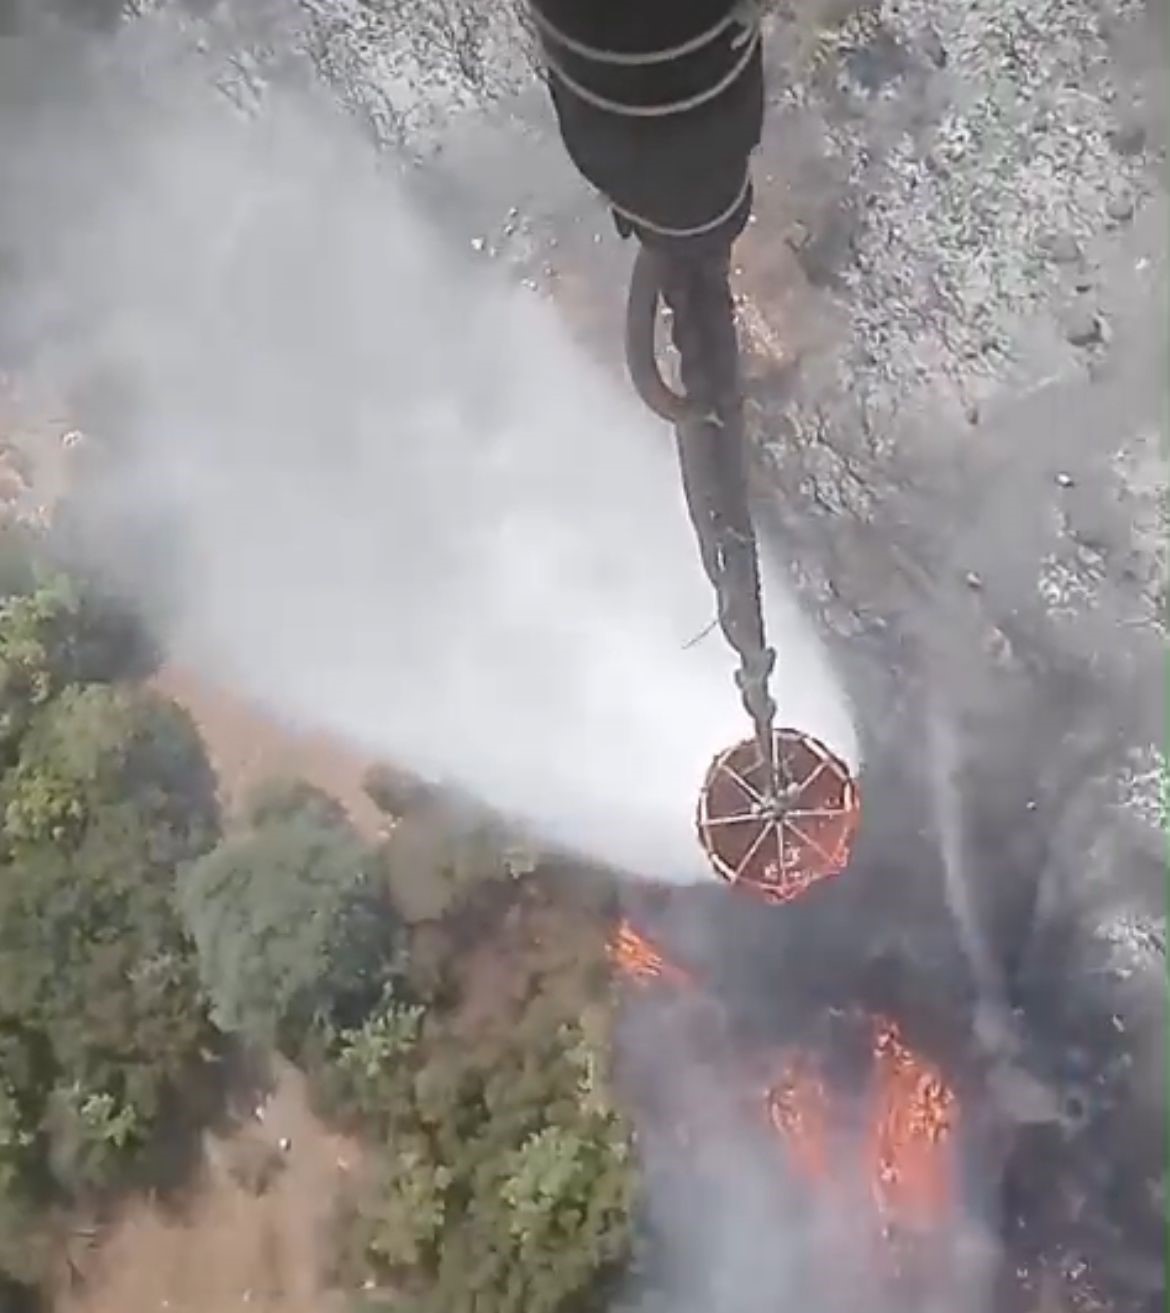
{"x":775,"y":845}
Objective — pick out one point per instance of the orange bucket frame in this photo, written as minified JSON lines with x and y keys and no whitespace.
{"x":776,"y":849}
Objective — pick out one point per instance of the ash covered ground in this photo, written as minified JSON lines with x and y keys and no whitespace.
{"x":954,"y":308}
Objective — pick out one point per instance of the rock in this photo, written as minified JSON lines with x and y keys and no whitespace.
{"x":1064,"y":480}
{"x":1120,"y":207}
{"x":1082,"y":325}
{"x":797,"y":235}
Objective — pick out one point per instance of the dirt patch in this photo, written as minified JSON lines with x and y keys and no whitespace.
{"x":230,"y":1248}
{"x":247,"y":747}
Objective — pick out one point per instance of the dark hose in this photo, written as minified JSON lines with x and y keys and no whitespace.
{"x":641,"y":356}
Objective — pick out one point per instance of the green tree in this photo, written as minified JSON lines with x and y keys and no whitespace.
{"x":104,"y":792}
{"x":28,"y":1243}
{"x":19,"y":1111}
{"x":92,"y":958}
{"x":55,"y":629}
{"x":287,"y":922}
{"x":98,"y":748}
{"x":110,"y":792}
{"x":15,"y":1139}
{"x":32,"y":625}
{"x":93,"y":1132}
{"x":282,"y":798}
{"x":505,"y":1179}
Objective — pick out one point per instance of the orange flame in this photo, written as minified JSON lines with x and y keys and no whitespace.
{"x":915,"y":1114}
{"x":798,"y":1107}
{"x":637,"y":958}
{"x":907,"y":1158}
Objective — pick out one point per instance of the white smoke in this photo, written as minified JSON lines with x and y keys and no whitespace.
{"x":405,"y":508}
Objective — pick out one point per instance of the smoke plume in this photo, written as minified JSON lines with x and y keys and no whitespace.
{"x":389,"y":497}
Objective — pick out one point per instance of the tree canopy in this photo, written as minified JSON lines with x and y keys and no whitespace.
{"x":448,"y":999}
{"x":109,"y":794}
{"x":505,"y":1178}
{"x":105,"y":794}
{"x":55,"y":629}
{"x":287,"y":917}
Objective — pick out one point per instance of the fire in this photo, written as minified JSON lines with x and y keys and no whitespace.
{"x":798,"y":1107}
{"x":915,"y":1114}
{"x":904,"y":1155}
{"x":910,"y":1117}
{"x":638,"y":959}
